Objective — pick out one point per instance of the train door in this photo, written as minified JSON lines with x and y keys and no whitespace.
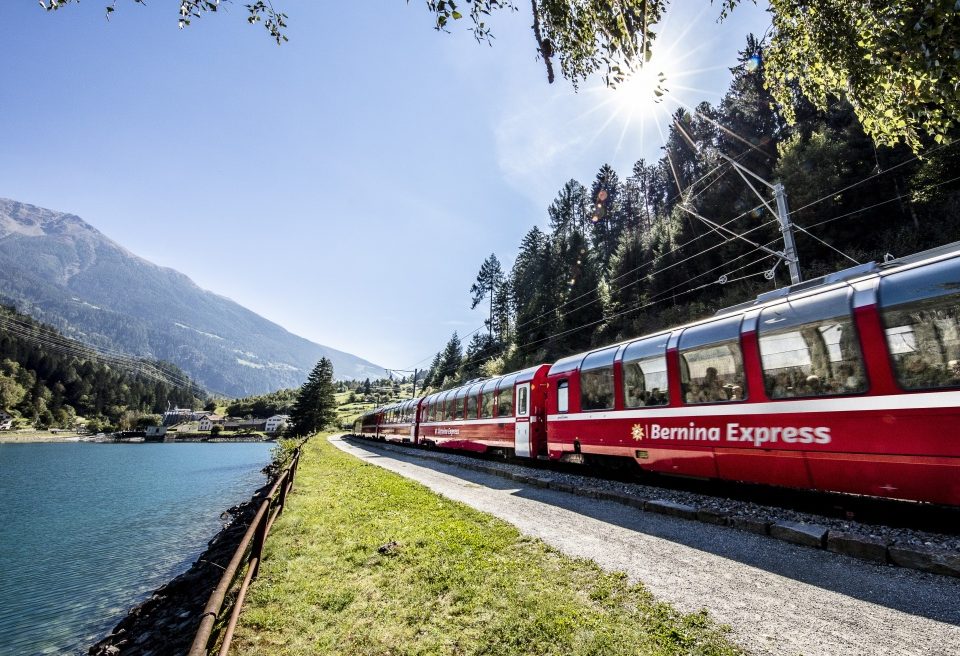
{"x":522,"y":427}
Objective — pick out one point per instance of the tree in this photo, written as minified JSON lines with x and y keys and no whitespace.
{"x":894,"y":61}
{"x":450,"y":360}
{"x":489,"y":280}
{"x":431,"y":377}
{"x":315,"y":407}
{"x":258,"y":11}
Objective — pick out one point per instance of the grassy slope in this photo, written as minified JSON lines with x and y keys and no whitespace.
{"x":459,"y":581}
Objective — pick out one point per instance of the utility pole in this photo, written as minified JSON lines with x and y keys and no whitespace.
{"x":789,"y":253}
{"x":407,"y":371}
{"x":786,"y":228}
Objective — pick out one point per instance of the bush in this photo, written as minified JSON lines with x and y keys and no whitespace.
{"x":216,"y":430}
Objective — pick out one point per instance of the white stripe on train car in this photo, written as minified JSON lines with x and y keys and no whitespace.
{"x":470,"y":422}
{"x":926,"y":401}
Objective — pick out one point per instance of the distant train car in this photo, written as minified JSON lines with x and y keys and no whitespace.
{"x":504,"y":414}
{"x":399,"y":422}
{"x":848,"y":383}
{"x":368,"y":423}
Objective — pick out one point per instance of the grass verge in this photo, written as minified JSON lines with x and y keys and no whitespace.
{"x":363,"y":561}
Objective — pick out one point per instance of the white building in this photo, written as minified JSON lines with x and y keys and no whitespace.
{"x":277,"y":423}
{"x":207,"y":422}
{"x":6,"y":421}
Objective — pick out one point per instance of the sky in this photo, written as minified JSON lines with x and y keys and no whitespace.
{"x":346,"y":185}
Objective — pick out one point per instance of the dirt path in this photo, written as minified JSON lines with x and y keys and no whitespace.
{"x":777,"y":597}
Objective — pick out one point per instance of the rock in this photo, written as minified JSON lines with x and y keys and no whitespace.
{"x":710,"y":516}
{"x":751,"y":525}
{"x":152,"y":627}
{"x":859,"y":546}
{"x":670,"y":508}
{"x":809,"y":535}
{"x":389,"y":549}
{"x":926,"y":559}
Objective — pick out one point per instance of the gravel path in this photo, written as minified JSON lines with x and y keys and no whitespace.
{"x":777,"y":597}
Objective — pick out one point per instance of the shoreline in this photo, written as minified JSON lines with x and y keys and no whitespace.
{"x":38,"y":438}
{"x":34,"y":438}
{"x":167,"y":620}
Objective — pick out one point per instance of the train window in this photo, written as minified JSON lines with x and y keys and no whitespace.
{"x":809,"y":348}
{"x":486,"y":405}
{"x":472,"y":402}
{"x":921,"y":316}
{"x":522,"y":392}
{"x":711,"y":364}
{"x":563,"y":396}
{"x":596,"y":380}
{"x":448,"y":414}
{"x":645,"y":373}
{"x":505,"y":402}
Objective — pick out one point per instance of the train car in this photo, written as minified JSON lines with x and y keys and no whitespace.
{"x":368,"y":424}
{"x":847,"y":383}
{"x":503,"y":415}
{"x":399,"y":422}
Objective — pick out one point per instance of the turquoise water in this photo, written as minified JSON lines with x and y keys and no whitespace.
{"x":89,"y":530}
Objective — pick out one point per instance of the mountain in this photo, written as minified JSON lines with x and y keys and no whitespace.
{"x":64,"y":272}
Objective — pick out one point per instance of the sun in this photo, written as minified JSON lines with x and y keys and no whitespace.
{"x":643,"y":90}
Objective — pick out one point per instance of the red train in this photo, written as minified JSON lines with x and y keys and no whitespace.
{"x":847,"y":383}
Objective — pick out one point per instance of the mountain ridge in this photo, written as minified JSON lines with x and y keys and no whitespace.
{"x":64,"y":271}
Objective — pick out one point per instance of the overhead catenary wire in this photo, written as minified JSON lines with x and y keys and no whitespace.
{"x":661,"y":297}
{"x":871,"y":177}
{"x":57,"y":343}
{"x":670,"y":199}
{"x":791,"y":212}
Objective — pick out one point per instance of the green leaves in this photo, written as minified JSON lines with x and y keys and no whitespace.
{"x":893,"y":62}
{"x":261,"y":11}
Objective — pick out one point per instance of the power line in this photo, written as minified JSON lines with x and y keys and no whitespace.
{"x":871,"y":177}
{"x":57,"y":343}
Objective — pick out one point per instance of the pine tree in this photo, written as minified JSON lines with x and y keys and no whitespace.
{"x":488,"y":280}
{"x":606,"y":219}
{"x":450,"y":361}
{"x":316,"y":404}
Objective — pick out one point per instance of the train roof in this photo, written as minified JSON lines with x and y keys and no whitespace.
{"x":849,"y":275}
{"x":486,"y":384}
{"x":836,"y":280}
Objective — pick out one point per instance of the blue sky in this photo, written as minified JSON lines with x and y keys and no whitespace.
{"x":346,"y":185}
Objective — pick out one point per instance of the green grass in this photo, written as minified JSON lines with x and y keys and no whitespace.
{"x":458,"y":582}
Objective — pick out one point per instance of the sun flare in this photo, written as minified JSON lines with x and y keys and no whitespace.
{"x":643,"y":90}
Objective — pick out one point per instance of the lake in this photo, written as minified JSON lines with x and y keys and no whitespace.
{"x":89,"y":530}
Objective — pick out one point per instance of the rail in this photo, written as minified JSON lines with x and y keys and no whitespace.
{"x":251,"y":549}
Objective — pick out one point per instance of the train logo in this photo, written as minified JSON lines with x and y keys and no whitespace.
{"x":732,"y":432}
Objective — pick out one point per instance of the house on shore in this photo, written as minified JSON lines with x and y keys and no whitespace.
{"x":6,"y":420}
{"x":208,"y":421}
{"x":276,"y":423}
